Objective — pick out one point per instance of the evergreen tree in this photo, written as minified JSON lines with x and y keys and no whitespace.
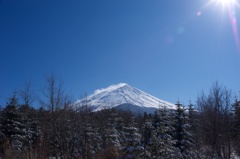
{"x":31,"y":129}
{"x":91,"y":139}
{"x":111,"y":137}
{"x":162,"y":143}
{"x":12,"y":125}
{"x":146,"y":139}
{"x":131,"y":143}
{"x":165,"y":133}
{"x":183,"y":134}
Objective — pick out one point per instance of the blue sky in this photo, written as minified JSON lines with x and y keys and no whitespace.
{"x":172,"y":49}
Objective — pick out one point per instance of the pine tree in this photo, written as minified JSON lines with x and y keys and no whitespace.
{"x":91,"y":139}
{"x":111,"y":138}
{"x":162,"y":143}
{"x":31,"y":129}
{"x":131,"y":142}
{"x":12,"y":125}
{"x":183,"y":134}
{"x":165,"y":133}
{"x":146,"y":139}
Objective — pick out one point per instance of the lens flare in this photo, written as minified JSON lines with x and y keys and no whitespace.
{"x":230,"y":6}
{"x":199,"y":13}
{"x":233,"y":21}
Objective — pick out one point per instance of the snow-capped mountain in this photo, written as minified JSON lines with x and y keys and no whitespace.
{"x":124,"y":96}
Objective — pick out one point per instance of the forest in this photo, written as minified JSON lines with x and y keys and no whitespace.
{"x":207,"y":129}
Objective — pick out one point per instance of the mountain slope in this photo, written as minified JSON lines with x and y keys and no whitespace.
{"x":122,"y":94}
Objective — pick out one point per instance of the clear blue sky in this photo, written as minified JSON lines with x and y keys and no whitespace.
{"x":172,"y":49}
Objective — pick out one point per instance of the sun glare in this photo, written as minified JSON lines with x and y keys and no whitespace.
{"x":229,"y":6}
{"x":226,"y":3}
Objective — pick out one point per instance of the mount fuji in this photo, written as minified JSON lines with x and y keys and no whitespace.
{"x":124,"y":97}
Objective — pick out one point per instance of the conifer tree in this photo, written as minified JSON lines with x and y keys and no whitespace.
{"x":12,"y":125}
{"x":165,"y":133}
{"x":146,"y":139}
{"x":183,"y":134}
{"x":112,"y":136}
{"x":31,"y":129}
{"x":91,"y":139}
{"x":162,"y":143}
{"x":131,"y":142}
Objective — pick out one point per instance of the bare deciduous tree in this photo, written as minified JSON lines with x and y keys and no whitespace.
{"x":27,"y":94}
{"x":53,"y":94}
{"x":55,"y":101}
{"x":215,"y":121}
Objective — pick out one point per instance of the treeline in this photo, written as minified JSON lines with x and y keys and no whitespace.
{"x":59,"y":129}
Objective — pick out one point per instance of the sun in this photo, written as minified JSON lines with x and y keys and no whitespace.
{"x":230,"y":6}
{"x":225,"y":3}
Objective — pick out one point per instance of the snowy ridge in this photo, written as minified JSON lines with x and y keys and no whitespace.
{"x":108,"y":89}
{"x":122,"y":93}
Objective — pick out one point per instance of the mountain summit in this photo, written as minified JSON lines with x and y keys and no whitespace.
{"x":124,"y":96}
